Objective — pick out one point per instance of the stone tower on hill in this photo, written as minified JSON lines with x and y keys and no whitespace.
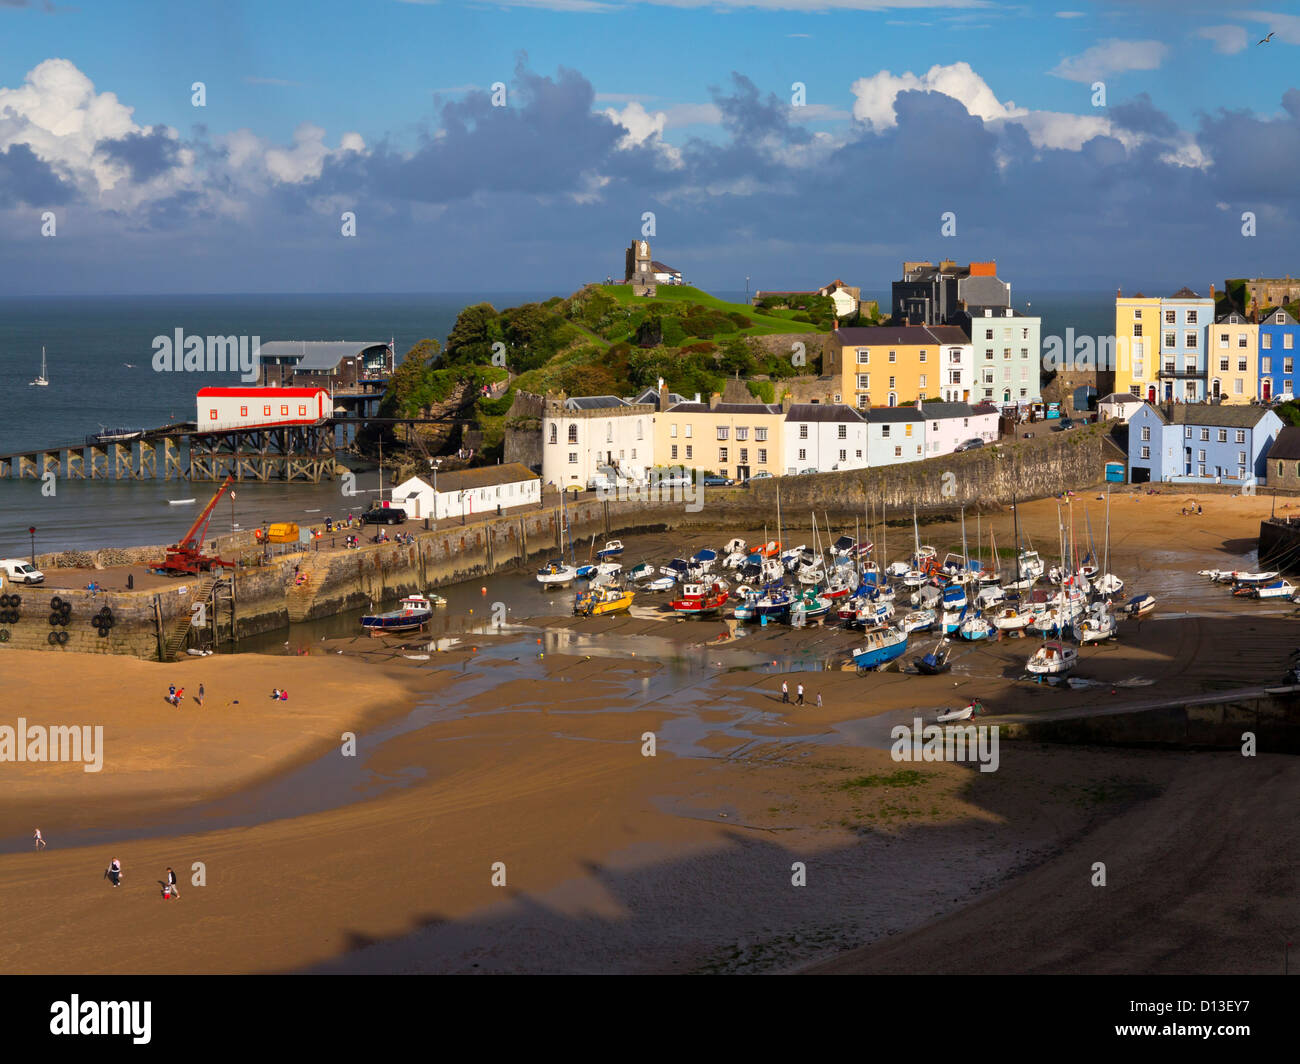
{"x":640,"y":272}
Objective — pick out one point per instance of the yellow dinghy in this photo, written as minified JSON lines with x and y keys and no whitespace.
{"x":602,"y":600}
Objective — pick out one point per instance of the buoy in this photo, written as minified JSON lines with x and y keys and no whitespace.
{"x":539,"y":642}
{"x":482,"y":591}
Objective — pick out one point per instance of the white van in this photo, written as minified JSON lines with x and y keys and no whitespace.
{"x":17,"y":571}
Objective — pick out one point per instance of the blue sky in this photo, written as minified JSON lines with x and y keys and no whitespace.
{"x":685,"y":109}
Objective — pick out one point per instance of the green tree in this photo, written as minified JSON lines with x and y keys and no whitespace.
{"x":477,"y":328}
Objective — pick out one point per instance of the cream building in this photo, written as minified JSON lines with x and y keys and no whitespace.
{"x":733,"y":440}
{"x":1233,"y":365}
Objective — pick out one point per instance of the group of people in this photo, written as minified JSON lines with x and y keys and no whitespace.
{"x":279,"y":696}
{"x":175,"y":695}
{"x":785,"y":694}
{"x":113,"y":873}
{"x":1191,"y":510}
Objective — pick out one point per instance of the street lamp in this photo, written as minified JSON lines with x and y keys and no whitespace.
{"x":32,"y":532}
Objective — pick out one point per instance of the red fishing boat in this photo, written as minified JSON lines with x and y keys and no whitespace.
{"x":699,"y":599}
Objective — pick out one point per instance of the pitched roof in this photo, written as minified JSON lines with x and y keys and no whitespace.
{"x":948,"y":334}
{"x":899,"y":335}
{"x":659,"y":267}
{"x":1211,"y":415}
{"x":485,"y":477}
{"x":1232,"y":317}
{"x":936,"y":411}
{"x":726,"y":408}
{"x":1184,"y":293}
{"x":822,"y":412}
{"x":887,"y":414}
{"x":1120,"y":397}
{"x":651,"y":396}
{"x":1273,"y":312}
{"x":1287,"y":444}
{"x":593,"y":402}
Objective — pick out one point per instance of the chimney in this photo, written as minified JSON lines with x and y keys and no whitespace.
{"x":663,"y":395}
{"x":835,"y":324}
{"x":786,"y":402}
{"x":1211,"y":289}
{"x":714,"y":400}
{"x":919,"y":409}
{"x":1119,"y":293}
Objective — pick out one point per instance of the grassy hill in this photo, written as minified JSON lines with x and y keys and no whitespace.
{"x":601,"y":340}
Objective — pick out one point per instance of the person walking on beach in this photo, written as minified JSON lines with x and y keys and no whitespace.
{"x":40,"y":839}
{"x":114,"y":872}
{"x":799,"y":700}
{"x":785,"y":691}
{"x":171,"y":694}
{"x":170,"y":883}
{"x":200,"y":694}
{"x":819,"y":700}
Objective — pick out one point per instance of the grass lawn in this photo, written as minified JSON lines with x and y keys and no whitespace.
{"x":765,"y":323}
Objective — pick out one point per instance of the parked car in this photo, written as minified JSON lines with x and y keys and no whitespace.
{"x":969,"y":445}
{"x":1066,"y":424}
{"x":803,"y":471}
{"x":760,"y":476}
{"x":17,"y":571}
{"x":716,"y":481}
{"x":384,"y":515}
{"x":672,"y":480}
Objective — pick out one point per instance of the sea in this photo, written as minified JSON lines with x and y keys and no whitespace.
{"x":99,"y":353}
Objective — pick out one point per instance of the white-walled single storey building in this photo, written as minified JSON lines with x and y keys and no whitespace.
{"x":469,"y":491}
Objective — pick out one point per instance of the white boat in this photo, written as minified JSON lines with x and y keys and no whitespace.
{"x":1253,"y":578}
{"x":179,"y":502}
{"x":1011,"y":619}
{"x":609,"y":568}
{"x":1095,"y":627}
{"x":1276,"y":589}
{"x":918,"y":621}
{"x":1139,"y":605}
{"x":556,"y":574}
{"x":956,"y":714}
{"x":989,"y":595}
{"x":1053,"y":659}
{"x":1108,"y":584}
{"x":1030,"y":564}
{"x":735,"y":546}
{"x":973,"y":628}
{"x":661,"y":583}
{"x":42,"y":381}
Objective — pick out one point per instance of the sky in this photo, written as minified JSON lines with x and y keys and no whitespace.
{"x":402,"y":146}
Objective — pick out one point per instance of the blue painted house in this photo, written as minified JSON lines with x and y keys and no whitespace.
{"x":1185,"y":319}
{"x":1200,"y":443}
{"x":1278,"y":348}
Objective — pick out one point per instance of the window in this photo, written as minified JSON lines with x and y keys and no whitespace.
{"x":1241,"y":435}
{"x":741,"y":434}
{"x":672,"y":431}
{"x":1288,"y":341}
{"x":1135,"y":389}
{"x":284,"y":410}
{"x":554,"y":435}
{"x":760,"y":435}
{"x":1223,"y":365}
{"x":1191,"y":339}
{"x":1266,"y":341}
{"x":988,"y":334}
{"x":893,"y":356}
{"x":803,"y":455}
{"x":1241,"y":365}
{"x":988,"y":353}
{"x":1241,"y":458}
{"x":639,"y":427}
{"x":844,"y":456}
{"x":243,"y":411}
{"x":1200,"y":470}
{"x":744,"y":456}
{"x":573,"y":433}
{"x":859,"y":452}
{"x":843,"y":432}
{"x":1024,"y":352}
{"x":1137,"y":329}
{"x":723,"y":432}
{"x":1266,"y":365}
{"x":266,"y":411}
{"x":722,"y":454}
{"x":837,"y":397}
{"x":609,"y":432}
{"x":1238,"y":386}
{"x":1205,"y":434}
{"x":212,"y":415}
{"x":898,"y":452}
{"x":1280,"y":469}
{"x":1286,"y":365}
{"x":1189,"y":432}
{"x":954,"y":376}
{"x":1006,"y":353}
{"x":907,"y":429}
{"x":1146,"y":433}
{"x":762,"y":455}
{"x":957,"y":381}
{"x":1241,"y":340}
{"x":803,"y":432}
{"x":633,"y":454}
{"x":1200,"y":455}
{"x":884,"y":432}
{"x":1137,"y":312}
{"x":302,"y":409}
{"x":1223,"y":339}
{"x":864,"y":381}
{"x":864,"y":356}
{"x":891,"y":384}
{"x":674,"y":452}
{"x":1146,"y":452}
{"x":1223,"y":435}
{"x":689,"y":451}
{"x":1170,"y":317}
{"x":1191,"y":317}
{"x":922,"y":357}
{"x":573,"y":458}
{"x":688,"y":431}
{"x":1171,"y":339}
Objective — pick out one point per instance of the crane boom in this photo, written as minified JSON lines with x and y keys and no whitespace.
{"x":193,"y":539}
{"x":186,"y":558}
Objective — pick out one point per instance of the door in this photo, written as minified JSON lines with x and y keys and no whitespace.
{"x":742,"y":472}
{"x":1151,"y":393}
{"x":1268,"y":389}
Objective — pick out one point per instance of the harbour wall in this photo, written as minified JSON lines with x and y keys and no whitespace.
{"x":1273,"y":720}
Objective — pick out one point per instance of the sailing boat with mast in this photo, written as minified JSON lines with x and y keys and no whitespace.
{"x":42,"y":381}
{"x":556,"y":573}
{"x":1107,"y":583}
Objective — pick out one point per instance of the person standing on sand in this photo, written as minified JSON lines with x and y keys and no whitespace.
{"x":171,"y":694}
{"x":799,"y":700}
{"x":170,"y":883}
{"x":200,"y":695}
{"x":40,"y":839}
{"x":785,"y":691}
{"x":819,"y":700}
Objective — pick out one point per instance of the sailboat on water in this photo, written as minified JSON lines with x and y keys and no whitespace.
{"x":42,"y":381}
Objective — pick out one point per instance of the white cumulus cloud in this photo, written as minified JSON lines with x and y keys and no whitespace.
{"x":1111,"y":57}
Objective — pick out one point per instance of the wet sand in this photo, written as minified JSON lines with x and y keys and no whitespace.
{"x":614,"y":861}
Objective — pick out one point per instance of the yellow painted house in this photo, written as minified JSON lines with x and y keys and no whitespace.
{"x":1137,"y":345}
{"x":887,"y":365}
{"x":731,"y":439}
{"x":1233,"y":363}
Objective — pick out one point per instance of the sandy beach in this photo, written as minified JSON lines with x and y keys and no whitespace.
{"x":519,"y":756}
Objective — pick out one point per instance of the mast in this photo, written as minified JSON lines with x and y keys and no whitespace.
{"x":1106,"y":567}
{"x":965,"y":558}
{"x":1015,"y":517}
{"x":778,"y":519}
{"x":916,"y":531}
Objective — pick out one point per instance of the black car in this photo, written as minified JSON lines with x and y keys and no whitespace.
{"x":384,"y":515}
{"x":1066,"y":424}
{"x":969,"y":445}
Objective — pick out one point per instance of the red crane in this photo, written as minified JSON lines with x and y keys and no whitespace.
{"x":186,"y":558}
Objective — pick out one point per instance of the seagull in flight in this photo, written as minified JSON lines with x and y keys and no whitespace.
{"x":1265,"y":40}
